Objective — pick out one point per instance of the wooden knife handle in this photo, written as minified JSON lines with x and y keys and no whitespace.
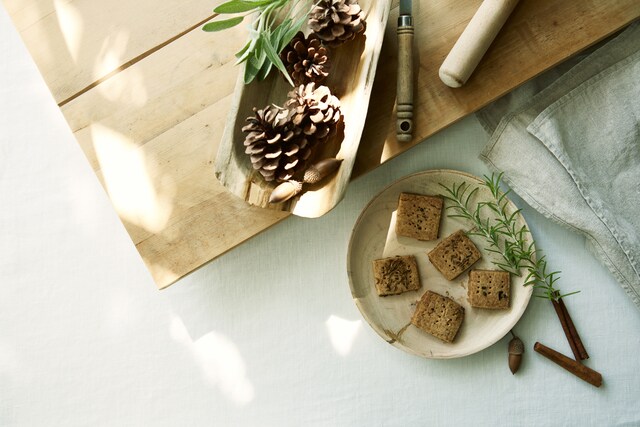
{"x":404,"y":111}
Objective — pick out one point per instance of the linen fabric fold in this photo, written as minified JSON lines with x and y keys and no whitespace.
{"x":570,"y":147}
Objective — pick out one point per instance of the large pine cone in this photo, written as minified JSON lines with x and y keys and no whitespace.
{"x":277,"y":148}
{"x":336,"y":21}
{"x":306,"y":59}
{"x":316,"y":111}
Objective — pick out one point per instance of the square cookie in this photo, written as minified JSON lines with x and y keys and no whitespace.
{"x":439,"y":316}
{"x":489,"y":289}
{"x":454,"y":255}
{"x":418,"y":216}
{"x":396,"y":275}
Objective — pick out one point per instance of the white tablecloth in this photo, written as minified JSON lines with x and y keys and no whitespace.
{"x":266,"y":335}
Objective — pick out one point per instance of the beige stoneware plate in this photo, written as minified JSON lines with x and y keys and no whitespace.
{"x":390,"y":317}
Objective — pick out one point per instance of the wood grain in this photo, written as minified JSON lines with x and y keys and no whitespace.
{"x":161,"y":122}
{"x":77,"y":42}
{"x":538,"y":35}
{"x":474,"y":41}
{"x":151,"y":128}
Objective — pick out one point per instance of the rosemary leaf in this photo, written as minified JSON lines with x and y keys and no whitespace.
{"x":502,"y":234}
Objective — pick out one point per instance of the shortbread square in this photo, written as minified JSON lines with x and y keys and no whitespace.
{"x":489,"y":289}
{"x":418,"y":216}
{"x":439,"y":316}
{"x":396,"y":275}
{"x":454,"y":255}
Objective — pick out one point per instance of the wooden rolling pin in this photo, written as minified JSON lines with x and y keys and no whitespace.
{"x":474,"y":41}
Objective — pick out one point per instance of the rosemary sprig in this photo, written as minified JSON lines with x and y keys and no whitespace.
{"x":275,"y":24}
{"x":503,"y":235}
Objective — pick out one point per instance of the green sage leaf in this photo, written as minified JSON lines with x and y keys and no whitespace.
{"x":275,"y":58}
{"x":246,"y":51}
{"x":255,"y":62}
{"x":241,"y":52}
{"x":291,"y":32}
{"x":238,"y":6}
{"x":222,"y":25}
{"x":265,"y":70}
{"x":276,"y":36}
{"x":250,"y":72}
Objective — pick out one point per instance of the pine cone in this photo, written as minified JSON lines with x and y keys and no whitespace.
{"x":277,"y":148}
{"x":306,"y":59}
{"x":315,"y":111}
{"x":336,"y":21}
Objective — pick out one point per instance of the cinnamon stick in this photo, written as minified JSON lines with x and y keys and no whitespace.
{"x":576,"y":368}
{"x":569,"y":329}
{"x":565,"y":328}
{"x":574,"y":333}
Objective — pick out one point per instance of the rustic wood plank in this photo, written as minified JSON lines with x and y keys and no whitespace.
{"x":152,"y":130}
{"x":151,"y":134}
{"x":538,"y":35}
{"x":77,"y":42}
{"x":157,"y":94}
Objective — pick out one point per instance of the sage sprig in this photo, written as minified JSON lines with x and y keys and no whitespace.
{"x":274,"y":25}
{"x":503,"y":235}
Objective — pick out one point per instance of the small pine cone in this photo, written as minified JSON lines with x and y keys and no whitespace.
{"x":306,"y":59}
{"x":315,"y":111}
{"x":277,"y":148}
{"x":336,"y":21}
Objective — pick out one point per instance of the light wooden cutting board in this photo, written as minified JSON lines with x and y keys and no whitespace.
{"x":146,"y":93}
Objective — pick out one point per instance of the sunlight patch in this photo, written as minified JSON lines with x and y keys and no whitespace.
{"x":342,"y":333}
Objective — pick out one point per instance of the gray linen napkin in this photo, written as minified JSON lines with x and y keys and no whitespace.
{"x":572,"y":151}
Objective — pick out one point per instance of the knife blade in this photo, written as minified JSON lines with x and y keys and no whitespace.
{"x":405,"y":7}
{"x":404,"y":95}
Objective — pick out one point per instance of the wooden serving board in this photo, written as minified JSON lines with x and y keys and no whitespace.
{"x":354,"y":64}
{"x":146,"y":93}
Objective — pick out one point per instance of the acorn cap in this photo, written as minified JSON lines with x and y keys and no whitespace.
{"x":318,"y":171}
{"x":516,"y":346}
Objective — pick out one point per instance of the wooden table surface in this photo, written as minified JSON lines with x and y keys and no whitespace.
{"x":146,"y":93}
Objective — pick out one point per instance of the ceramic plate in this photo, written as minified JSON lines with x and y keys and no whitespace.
{"x":373,"y":237}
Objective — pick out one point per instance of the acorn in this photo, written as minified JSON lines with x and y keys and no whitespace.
{"x":314,"y":174}
{"x":285,"y":191}
{"x":516,"y":348}
{"x":317,"y":172}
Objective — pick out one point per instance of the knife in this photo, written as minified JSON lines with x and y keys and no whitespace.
{"x":404,"y":95}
